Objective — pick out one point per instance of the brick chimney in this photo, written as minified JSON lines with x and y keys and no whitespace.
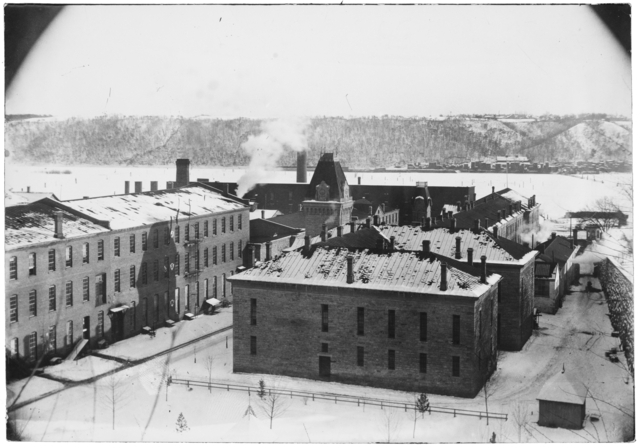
{"x":486,"y":223}
{"x":251,"y":256}
{"x":59,"y":231}
{"x":443,"y":276}
{"x":349,"y":269}
{"x":353,"y":224}
{"x":499,"y":213}
{"x":323,"y":234}
{"x":458,"y":204}
{"x":262,"y":214}
{"x":359,"y":180}
{"x":575,"y":236}
{"x":553,"y":234}
{"x":483,"y":274}
{"x":392,"y":243}
{"x":476,"y":225}
{"x":450,"y":214}
{"x":458,"y":249}
{"x":182,"y":172}
{"x":426,"y":247}
{"x":510,"y":209}
{"x":28,"y":189}
{"x":470,"y":256}
{"x":495,"y":231}
{"x":126,"y":187}
{"x":307,"y":243}
{"x":268,"y":251}
{"x":428,"y":223}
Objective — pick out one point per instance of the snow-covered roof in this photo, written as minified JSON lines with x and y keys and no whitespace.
{"x":257,"y":214}
{"x":563,"y":388}
{"x":25,"y":197}
{"x":396,"y":271}
{"x":138,"y":209}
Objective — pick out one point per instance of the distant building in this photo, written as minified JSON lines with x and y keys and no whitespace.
{"x":401,"y":320}
{"x":25,"y":197}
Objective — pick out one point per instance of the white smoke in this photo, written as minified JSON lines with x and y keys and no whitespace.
{"x":539,"y":235}
{"x":266,"y":149}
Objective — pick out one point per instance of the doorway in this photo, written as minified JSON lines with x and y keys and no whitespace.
{"x":86,"y":328}
{"x":325,"y":367}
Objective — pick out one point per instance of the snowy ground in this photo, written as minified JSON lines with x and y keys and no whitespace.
{"x":576,"y":338}
{"x":81,"y":369}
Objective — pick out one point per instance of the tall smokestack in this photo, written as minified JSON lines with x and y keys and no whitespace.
{"x":307,"y":242}
{"x":483,"y":275}
{"x":154,"y":185}
{"x":349,"y":269}
{"x":443,"y":276}
{"x":182,"y":172}
{"x":426,"y":247}
{"x":138,"y":187}
{"x":458,"y":248}
{"x":470,"y":256}
{"x":302,"y":167}
{"x":126,"y":187}
{"x":59,"y":231}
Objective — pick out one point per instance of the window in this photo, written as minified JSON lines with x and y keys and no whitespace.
{"x":240,"y":249}
{"x":423,"y":327}
{"x":197,"y":294}
{"x":205,"y":257}
{"x":156,"y":270}
{"x":324,"y":347}
{"x":392,"y":324}
{"x":206,"y":288}
{"x":360,"y":321}
{"x":542,"y":288}
{"x":132,"y":276}
{"x":33,"y":347}
{"x":156,"y":306}
{"x":253,"y":345}
{"x":52,"y":298}
{"x":101,"y":286}
{"x":325,"y":318}
{"x":224,"y":285}
{"x":177,"y":265}
{"x":391,"y":364}
{"x":13,"y":305}
{"x":167,"y":238}
{"x":214,"y":227}
{"x":69,"y":333}
{"x":68,"y":257}
{"x":206,"y":229}
{"x":253,"y":311}
{"x":132,"y":243}
{"x":231,"y":250}
{"x":69,"y":293}
{"x":224,"y":253}
{"x":186,"y":264}
{"x":215,"y":255}
{"x":186,"y":297}
{"x":239,"y":222}
{"x":100,"y":250}
{"x":100,"y":324}
{"x":176,"y":236}
{"x":14,"y":347}
{"x":197,"y":256}
{"x":13,"y":268}
{"x":33,"y":303}
{"x":215,"y":287}
{"x":52,"y":338}
{"x":143,"y":268}
{"x":186,"y":232}
{"x":85,"y":289}
{"x":423,"y":363}
{"x":456,"y":329}
{"x":166,"y":266}
{"x":230,"y":223}
{"x":116,"y":280}
{"x":52,"y":260}
{"x":85,"y":253}
{"x":32,"y":263}
{"x":455,"y":366}
{"x":144,"y":240}
{"x":116,"y":246}
{"x":223,"y":225}
{"x":360,"y":356}
{"x":196,"y":230}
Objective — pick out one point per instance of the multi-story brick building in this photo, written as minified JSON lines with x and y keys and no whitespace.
{"x":401,"y":320}
{"x":514,"y":262}
{"x":103,"y":268}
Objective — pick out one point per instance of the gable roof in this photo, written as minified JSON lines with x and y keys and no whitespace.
{"x":557,"y":249}
{"x":483,"y":210}
{"x":563,"y":388}
{"x":395,"y":271}
{"x":448,"y":195}
{"x":544,"y":269}
{"x":329,"y":171}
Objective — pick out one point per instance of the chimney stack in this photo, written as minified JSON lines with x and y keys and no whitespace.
{"x":553,"y":234}
{"x":154,"y":185}
{"x":499,"y":212}
{"x":426,"y":247}
{"x":392,"y":243}
{"x":59,"y":232}
{"x":458,"y":249}
{"x":575,"y":236}
{"x":470,"y":256}
{"x":483,"y":275}
{"x":428,"y":223}
{"x":380,"y":244}
{"x":251,"y":256}
{"x":28,"y":189}
{"x":443,"y":276}
{"x":476,"y":225}
{"x":359,"y":179}
{"x":268,"y":250}
{"x":458,"y":204}
{"x":349,"y":269}
{"x":262,"y":214}
{"x":510,"y":209}
{"x":486,"y":223}
{"x":493,"y":191}
{"x":300,"y":208}
{"x":353,"y":224}
{"x":368,"y":222}
{"x":376,"y":220}
{"x":495,"y":231}
{"x":126,"y":187}
{"x":453,"y":225}
{"x":323,"y":234}
{"x":182,"y":172}
{"x":370,"y":210}
{"x":339,"y":230}
{"x":450,"y":214}
{"x":138,"y":187}
{"x":302,"y":167}
{"x":307,"y":243}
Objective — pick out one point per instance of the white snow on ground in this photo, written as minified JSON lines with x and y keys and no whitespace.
{"x":576,"y":337}
{"x":81,"y":369}
{"x":143,"y":345}
{"x":35,"y":387}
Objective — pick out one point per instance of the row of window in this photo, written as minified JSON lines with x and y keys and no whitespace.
{"x":13,"y":261}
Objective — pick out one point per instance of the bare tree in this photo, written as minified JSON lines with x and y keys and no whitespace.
{"x":209,"y":365}
{"x":273,"y":405}
{"x":519,"y":412}
{"x":604,"y":214}
{"x":115,"y":391}
{"x":390,"y":421}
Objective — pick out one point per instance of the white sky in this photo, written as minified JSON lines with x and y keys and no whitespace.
{"x":274,"y":61}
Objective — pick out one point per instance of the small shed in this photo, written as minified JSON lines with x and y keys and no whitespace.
{"x":562,"y":402}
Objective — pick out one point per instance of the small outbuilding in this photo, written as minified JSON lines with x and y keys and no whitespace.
{"x":562,"y":402}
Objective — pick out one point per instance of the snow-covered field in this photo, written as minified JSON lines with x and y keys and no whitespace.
{"x":557,"y":193}
{"x":81,"y":369}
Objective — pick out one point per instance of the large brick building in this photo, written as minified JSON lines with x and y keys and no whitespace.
{"x":401,"y":320}
{"x":103,"y":268}
{"x":514,"y":262}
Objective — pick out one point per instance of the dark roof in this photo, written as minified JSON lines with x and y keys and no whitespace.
{"x":481,"y":211}
{"x":443,"y":241}
{"x":598,"y":215}
{"x":544,"y":269}
{"x":440,"y":196}
{"x":262,"y":230}
{"x":329,"y":171}
{"x":558,"y":249}
{"x":395,"y":271}
{"x":295,"y":220}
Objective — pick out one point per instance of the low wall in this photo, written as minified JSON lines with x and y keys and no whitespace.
{"x":618,"y":288}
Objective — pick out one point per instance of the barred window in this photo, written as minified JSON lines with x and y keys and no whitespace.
{"x":70,"y":332}
{"x":32,"y":263}
{"x":100,"y":324}
{"x":224,"y":253}
{"x":239,"y":222}
{"x":69,"y":293}
{"x":223,"y":225}
{"x":100,"y":250}
{"x":206,"y":229}
{"x":85,"y":289}
{"x":230,"y":223}
{"x":252,"y":313}
{"x":176,"y":235}
{"x":231,"y":253}
{"x":69,"y":256}
{"x":33,"y":347}
{"x":144,"y":273}
{"x":205,"y":257}
{"x":214,"y":227}
{"x":186,"y":263}
{"x":253,"y":345}
{"x":85,"y":253}
{"x":177,"y":264}
{"x":52,"y":298}
{"x":187,"y":232}
{"x":52,"y":260}
{"x":196,"y":230}
{"x":197,"y":255}
{"x":116,"y":246}
{"x":144,"y":240}
{"x":392,"y":324}
{"x":155,"y":271}
{"x":360,"y":321}
{"x":240,"y":249}
{"x":116,"y":280}
{"x":13,"y":308}
{"x":132,"y":243}
{"x":215,"y":255}
{"x":423,"y":327}
{"x":132,"y":276}
{"x":13,"y":268}
{"x":325,"y":318}
{"x":455,"y":366}
{"x":33,"y":303}
{"x":392,"y":360}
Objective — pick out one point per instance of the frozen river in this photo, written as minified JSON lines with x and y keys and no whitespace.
{"x":557,"y":193}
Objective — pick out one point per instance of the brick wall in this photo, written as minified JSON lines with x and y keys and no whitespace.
{"x":618,"y":290}
{"x":289,"y":337}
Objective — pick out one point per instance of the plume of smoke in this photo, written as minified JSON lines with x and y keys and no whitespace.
{"x":266,"y":149}
{"x":541,"y":234}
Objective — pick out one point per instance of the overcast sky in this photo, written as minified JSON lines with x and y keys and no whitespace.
{"x":267,"y":62}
